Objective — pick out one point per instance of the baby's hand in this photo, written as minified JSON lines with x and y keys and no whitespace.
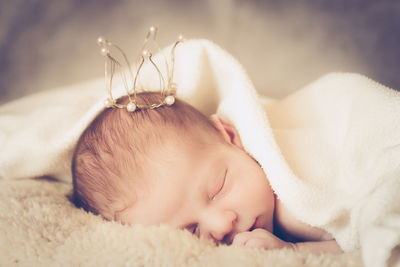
{"x":260,"y":238}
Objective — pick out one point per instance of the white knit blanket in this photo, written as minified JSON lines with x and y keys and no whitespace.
{"x":331,"y":150}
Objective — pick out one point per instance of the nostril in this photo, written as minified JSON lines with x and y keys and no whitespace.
{"x":226,"y":239}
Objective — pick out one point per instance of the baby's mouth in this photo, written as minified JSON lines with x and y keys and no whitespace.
{"x":228,"y":239}
{"x":255,"y":225}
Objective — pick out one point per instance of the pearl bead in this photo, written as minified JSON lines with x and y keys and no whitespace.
{"x":152,"y":28}
{"x":169,"y":100}
{"x":108,"y":102}
{"x":131,"y":107}
{"x":146,"y":53}
{"x":104,"y":51}
{"x":101,"y":40}
{"x":180,"y":37}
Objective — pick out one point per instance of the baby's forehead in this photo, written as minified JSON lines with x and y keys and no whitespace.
{"x":171,"y":183}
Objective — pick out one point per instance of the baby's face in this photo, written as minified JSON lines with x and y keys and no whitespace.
{"x":214,"y":191}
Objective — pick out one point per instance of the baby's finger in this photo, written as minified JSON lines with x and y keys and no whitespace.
{"x":261,"y":232}
{"x":240,"y":239}
{"x":256,"y":243}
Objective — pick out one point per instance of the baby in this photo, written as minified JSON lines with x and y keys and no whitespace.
{"x":172,"y":165}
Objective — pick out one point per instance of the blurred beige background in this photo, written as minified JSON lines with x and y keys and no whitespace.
{"x":283,"y":45}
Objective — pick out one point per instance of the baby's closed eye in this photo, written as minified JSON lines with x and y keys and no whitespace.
{"x":193,"y":228}
{"x":216,"y":186}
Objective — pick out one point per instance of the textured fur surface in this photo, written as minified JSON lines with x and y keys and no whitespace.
{"x":40,"y":227}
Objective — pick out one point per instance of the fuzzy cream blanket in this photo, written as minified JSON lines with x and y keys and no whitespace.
{"x":330,"y":151}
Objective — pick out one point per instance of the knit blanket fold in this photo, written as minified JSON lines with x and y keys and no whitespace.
{"x":331,"y":150}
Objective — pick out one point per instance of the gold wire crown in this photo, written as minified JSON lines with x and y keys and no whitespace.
{"x":112,"y":65}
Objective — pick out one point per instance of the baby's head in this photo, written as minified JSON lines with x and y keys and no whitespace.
{"x":170,"y":165}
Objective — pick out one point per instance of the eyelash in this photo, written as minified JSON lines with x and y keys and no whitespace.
{"x":222,"y":186}
{"x":194,"y":229}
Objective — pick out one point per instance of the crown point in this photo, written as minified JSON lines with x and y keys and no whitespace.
{"x":169,"y":100}
{"x":131,"y":107}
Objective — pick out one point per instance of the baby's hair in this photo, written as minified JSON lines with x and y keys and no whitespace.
{"x":111,"y":154}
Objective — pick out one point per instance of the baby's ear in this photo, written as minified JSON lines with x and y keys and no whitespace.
{"x":226,"y":130}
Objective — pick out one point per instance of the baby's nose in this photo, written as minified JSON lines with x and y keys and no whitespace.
{"x":222,"y":226}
